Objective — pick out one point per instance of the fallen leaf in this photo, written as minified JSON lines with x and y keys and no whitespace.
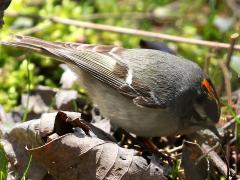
{"x":190,"y":154}
{"x":104,"y":125}
{"x":64,"y":99}
{"x":14,"y":144}
{"x":86,"y":152}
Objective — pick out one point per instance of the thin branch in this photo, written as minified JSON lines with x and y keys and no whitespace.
{"x":228,"y":124}
{"x":129,"y":31}
{"x":227,"y":82}
{"x":216,"y":160}
{"x":233,"y":40}
{"x":175,"y":149}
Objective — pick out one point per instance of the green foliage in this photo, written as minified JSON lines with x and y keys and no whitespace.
{"x":175,"y":170}
{"x":27,"y":168}
{"x":3,"y":164}
{"x":14,"y":79}
{"x":237,"y":119}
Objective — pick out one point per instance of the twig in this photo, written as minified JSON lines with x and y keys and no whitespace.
{"x":130,"y":31}
{"x":228,"y":124}
{"x":216,"y":160}
{"x":226,"y":81}
{"x":233,"y":40}
{"x":206,"y":151}
{"x":175,"y":149}
{"x":227,"y":153}
{"x":233,"y":140}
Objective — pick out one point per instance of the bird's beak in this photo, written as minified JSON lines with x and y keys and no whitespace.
{"x":215,"y":131}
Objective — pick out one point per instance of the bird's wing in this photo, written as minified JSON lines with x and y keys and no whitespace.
{"x":104,"y":62}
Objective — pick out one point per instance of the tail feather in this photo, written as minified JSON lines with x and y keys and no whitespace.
{"x":31,"y":44}
{"x":90,"y":58}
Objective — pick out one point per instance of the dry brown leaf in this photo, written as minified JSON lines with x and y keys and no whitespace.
{"x":104,"y":125}
{"x":190,"y":155}
{"x":15,"y":143}
{"x":76,"y":155}
{"x":212,"y":150}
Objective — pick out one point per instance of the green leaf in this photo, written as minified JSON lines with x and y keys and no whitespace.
{"x":237,"y":119}
{"x":3,"y":164}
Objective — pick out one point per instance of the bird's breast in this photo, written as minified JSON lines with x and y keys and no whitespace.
{"x":124,"y":113}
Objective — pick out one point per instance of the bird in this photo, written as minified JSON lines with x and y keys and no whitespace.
{"x":147,"y":92}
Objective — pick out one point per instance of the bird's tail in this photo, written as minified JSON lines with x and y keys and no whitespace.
{"x":31,"y":44}
{"x":98,"y":60}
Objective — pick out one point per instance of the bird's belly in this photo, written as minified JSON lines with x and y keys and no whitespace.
{"x":123,"y":112}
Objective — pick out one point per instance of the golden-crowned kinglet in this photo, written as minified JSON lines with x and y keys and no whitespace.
{"x":147,"y":92}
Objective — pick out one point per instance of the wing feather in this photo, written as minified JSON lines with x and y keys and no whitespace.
{"x":105,"y":63}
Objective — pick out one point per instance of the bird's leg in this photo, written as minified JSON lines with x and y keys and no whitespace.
{"x":146,"y":144}
{"x":150,"y":146}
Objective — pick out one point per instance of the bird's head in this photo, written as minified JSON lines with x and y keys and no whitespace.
{"x":206,"y":106}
